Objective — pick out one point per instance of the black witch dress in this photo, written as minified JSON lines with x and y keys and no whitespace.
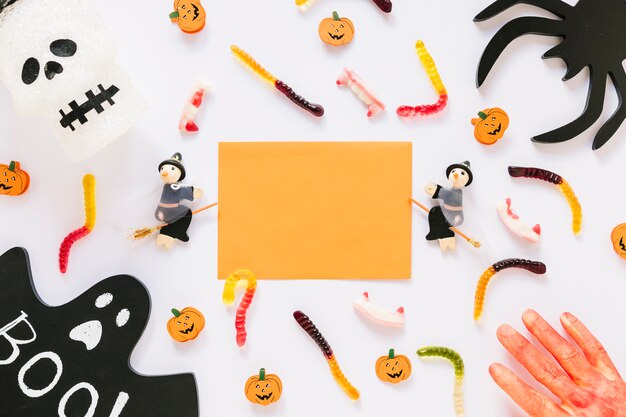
{"x":173,"y":212}
{"x":449,"y":213}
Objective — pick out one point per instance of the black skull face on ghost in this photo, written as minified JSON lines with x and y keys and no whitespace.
{"x":73,"y":360}
{"x":58,"y":60}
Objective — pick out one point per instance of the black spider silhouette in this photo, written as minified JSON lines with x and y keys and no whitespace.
{"x":594,"y":36}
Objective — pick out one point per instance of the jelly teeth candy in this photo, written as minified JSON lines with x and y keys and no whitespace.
{"x":308,"y":326}
{"x":356,"y":84}
{"x":459,"y":370}
{"x":187,"y":122}
{"x":435,"y":79}
{"x":379,"y":314}
{"x":315,"y":109}
{"x":566,"y":189}
{"x":228,"y":297}
{"x":513,"y":222}
{"x":89,"y":186}
{"x":535,"y":267}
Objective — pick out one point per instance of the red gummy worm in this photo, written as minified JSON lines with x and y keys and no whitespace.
{"x":66,"y":246}
{"x":315,"y":109}
{"x":240,"y":319}
{"x":424,"y":109}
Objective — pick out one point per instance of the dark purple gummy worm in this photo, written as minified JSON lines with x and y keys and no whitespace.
{"x":531,"y":266}
{"x":305,"y":322}
{"x":535,"y":173}
{"x":315,"y":109}
{"x":384,"y":5}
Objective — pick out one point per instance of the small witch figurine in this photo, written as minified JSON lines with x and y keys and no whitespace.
{"x":450,"y":211}
{"x":171,"y":210}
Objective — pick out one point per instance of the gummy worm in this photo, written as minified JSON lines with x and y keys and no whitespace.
{"x":89,"y":186}
{"x":566,"y":189}
{"x":356,"y":84}
{"x":305,"y":322}
{"x":228,"y":297}
{"x":535,"y":267}
{"x":435,"y":79}
{"x":459,"y":370}
{"x":315,"y":109}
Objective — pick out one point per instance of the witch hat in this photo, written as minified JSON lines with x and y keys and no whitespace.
{"x":465,"y":166}
{"x":176,"y":160}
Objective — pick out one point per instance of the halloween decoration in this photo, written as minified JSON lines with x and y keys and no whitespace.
{"x":379,"y":314}
{"x":189,"y":15}
{"x":187,"y":122}
{"x":186,"y":324}
{"x":73,"y":360}
{"x":315,"y":109}
{"x":515,"y":225}
{"x":393,"y":368}
{"x":490,"y":125}
{"x":352,"y":80}
{"x":618,"y":236}
{"x":450,"y":212}
{"x":384,"y":5}
{"x":263,"y":389}
{"x":144,"y":232}
{"x":228,"y":297}
{"x":593,"y":35}
{"x":469,"y":240}
{"x":537,"y":268}
{"x":89,"y":187}
{"x":431,"y":69}
{"x":566,"y":189}
{"x":336,"y":31}
{"x":13,"y":180}
{"x":66,"y":72}
{"x":171,"y":210}
{"x":459,"y":370}
{"x":308,"y":326}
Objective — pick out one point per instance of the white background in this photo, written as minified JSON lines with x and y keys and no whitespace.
{"x":584,"y":275}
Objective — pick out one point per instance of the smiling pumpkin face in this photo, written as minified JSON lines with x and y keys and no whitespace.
{"x":393,"y":368}
{"x":490,"y":125}
{"x":618,"y":237}
{"x":263,"y":389}
{"x":336,"y":31}
{"x":186,"y":324}
{"x":189,"y":14}
{"x":13,"y":180}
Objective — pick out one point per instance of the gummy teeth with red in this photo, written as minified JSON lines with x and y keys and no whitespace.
{"x":356,"y":84}
{"x":513,"y":222}
{"x":379,"y":314}
{"x":187,"y":122}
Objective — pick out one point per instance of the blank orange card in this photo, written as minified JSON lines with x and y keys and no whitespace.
{"x":315,"y":210}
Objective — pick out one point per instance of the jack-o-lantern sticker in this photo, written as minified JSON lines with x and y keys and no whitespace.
{"x":189,"y":15}
{"x":490,"y":125}
{"x":618,"y":237}
{"x":13,"y":180}
{"x":263,"y":389}
{"x":186,"y":324}
{"x":393,"y":368}
{"x":336,"y":30}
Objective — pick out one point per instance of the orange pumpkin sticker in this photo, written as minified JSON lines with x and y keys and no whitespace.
{"x":393,"y":368}
{"x":263,"y":389}
{"x":336,"y":31}
{"x":618,"y":237}
{"x":189,"y":14}
{"x":13,"y":180}
{"x":490,"y":125}
{"x":186,"y":324}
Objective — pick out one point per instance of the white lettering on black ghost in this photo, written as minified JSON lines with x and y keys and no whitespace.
{"x":4,"y":332}
{"x":36,"y":393}
{"x":89,"y":333}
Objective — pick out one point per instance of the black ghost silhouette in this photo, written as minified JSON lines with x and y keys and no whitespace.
{"x":120,"y":391}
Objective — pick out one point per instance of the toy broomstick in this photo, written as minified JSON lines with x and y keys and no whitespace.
{"x":471,"y":241}
{"x":139,"y":234}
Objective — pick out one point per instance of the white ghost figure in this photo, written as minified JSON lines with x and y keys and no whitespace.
{"x":58,"y":61}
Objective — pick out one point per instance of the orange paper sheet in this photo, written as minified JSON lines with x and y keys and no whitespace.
{"x":315,"y":210}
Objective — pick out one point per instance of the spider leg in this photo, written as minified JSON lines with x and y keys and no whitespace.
{"x":593,"y":110}
{"x":508,"y":33}
{"x":557,"y":7}
{"x":615,"y":121}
